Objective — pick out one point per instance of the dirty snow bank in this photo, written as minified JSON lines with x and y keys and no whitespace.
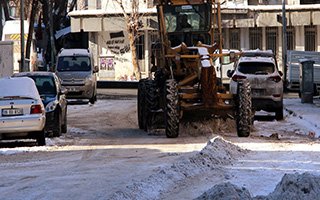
{"x":216,"y":153}
{"x":208,"y":127}
{"x":305,"y":115}
{"x":296,"y":186}
{"x":225,"y":191}
{"x":292,"y":186}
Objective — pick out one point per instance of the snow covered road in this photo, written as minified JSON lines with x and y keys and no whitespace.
{"x":105,"y":156}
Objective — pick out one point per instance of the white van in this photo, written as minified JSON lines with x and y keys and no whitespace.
{"x":75,"y":68}
{"x":12,"y":32}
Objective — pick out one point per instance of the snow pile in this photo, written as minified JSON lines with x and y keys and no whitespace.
{"x":306,"y":116}
{"x":296,"y":186}
{"x":217,"y":152}
{"x":11,"y":151}
{"x":226,"y":191}
{"x":292,"y":186}
{"x":208,"y":127}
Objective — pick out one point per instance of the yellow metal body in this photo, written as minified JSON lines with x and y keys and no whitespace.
{"x":197,"y":85}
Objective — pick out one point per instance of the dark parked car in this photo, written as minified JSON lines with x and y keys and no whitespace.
{"x":54,"y":100}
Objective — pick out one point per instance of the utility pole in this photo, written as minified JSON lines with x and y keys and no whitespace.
{"x":22,"y":60}
{"x":220,"y":36}
{"x":52,"y":44}
{"x":284,"y":40}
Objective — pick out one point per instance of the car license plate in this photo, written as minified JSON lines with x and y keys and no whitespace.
{"x":73,"y":89}
{"x":12,"y":112}
{"x":257,"y":92}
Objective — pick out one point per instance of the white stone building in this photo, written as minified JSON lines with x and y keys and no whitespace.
{"x":247,"y":24}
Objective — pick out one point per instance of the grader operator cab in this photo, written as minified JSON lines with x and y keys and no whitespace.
{"x":184,"y":82}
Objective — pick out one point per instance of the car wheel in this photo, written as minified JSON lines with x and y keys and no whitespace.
{"x":41,"y":139}
{"x":279,"y":114}
{"x":93,"y":99}
{"x":64,"y":125}
{"x":57,"y":124}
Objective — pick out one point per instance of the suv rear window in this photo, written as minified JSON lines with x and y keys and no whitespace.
{"x":256,"y":67}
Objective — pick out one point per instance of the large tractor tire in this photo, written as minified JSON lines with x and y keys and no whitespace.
{"x":142,"y":104}
{"x":172,"y":109}
{"x":152,"y":104}
{"x":243,"y":109}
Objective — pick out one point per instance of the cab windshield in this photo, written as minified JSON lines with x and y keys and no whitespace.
{"x":188,"y":23}
{"x":192,"y":17}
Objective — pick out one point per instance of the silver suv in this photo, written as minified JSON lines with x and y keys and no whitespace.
{"x":261,"y":69}
{"x":75,"y":68}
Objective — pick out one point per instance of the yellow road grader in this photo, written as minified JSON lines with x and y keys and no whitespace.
{"x":184,"y":81}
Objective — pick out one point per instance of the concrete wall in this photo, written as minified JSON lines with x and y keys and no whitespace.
{"x":6,"y":58}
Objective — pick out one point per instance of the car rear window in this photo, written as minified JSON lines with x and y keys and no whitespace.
{"x":256,"y":67}
{"x":45,"y":85}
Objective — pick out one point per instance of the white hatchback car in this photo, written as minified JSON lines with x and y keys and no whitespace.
{"x":261,"y":70}
{"x":22,"y":112}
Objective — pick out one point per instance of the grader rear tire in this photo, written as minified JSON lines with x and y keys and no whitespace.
{"x":243,"y":114}
{"x":142,"y":104}
{"x":172,"y":109}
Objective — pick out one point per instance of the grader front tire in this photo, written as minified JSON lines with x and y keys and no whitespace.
{"x":172,"y":109}
{"x":243,"y":114}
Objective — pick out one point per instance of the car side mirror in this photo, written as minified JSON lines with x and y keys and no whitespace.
{"x":95,"y":69}
{"x":280,"y":73}
{"x":230,"y":73}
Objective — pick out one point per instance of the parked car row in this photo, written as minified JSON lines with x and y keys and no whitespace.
{"x":33,"y":105}
{"x":53,"y":98}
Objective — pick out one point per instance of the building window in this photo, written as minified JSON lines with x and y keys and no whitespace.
{"x":272,"y":39}
{"x":98,"y":4}
{"x":255,"y":38}
{"x":140,"y":47}
{"x":290,"y":38}
{"x":234,"y":38}
{"x":309,"y":1}
{"x":310,"y":36}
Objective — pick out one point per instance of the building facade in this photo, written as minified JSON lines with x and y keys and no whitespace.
{"x":247,"y":24}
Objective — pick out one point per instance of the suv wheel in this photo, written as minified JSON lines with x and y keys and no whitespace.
{"x":279,"y":114}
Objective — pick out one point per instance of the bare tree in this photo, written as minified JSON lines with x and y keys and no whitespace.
{"x":34,"y":10}
{"x":133,"y":25}
{"x":27,"y":7}
{"x":5,"y":8}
